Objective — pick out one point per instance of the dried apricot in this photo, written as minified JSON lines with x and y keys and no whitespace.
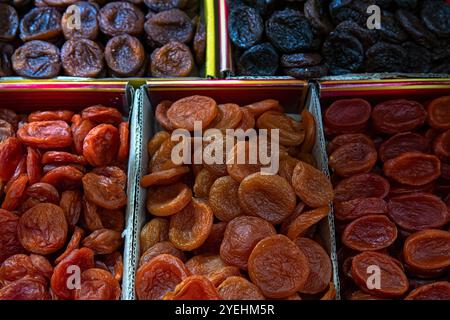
{"x":309,"y":126}
{"x":330,"y":294}
{"x":204,"y":264}
{"x":214,"y":240}
{"x":223,"y":199}
{"x":116,"y":174}
{"x":168,"y":200}
{"x":220,"y":275}
{"x":26,"y":288}
{"x":241,"y":236}
{"x":291,"y":132}
{"x":353,"y":158}
{"x":98,"y":284}
{"x":344,"y":139}
{"x":80,"y":129}
{"x":190,"y":228}
{"x":104,"y":191}
{"x":34,"y":170}
{"x":439,"y":113}
{"x":101,"y":114}
{"x":194,"y":288}
{"x":73,"y":244}
{"x":43,"y":229}
{"x":413,"y":168}
{"x":319,"y":265}
{"x":164,"y":177}
{"x":287,"y":166}
{"x":91,"y":216}
{"x":112,"y":219}
{"x":393,"y":282}
{"x":11,"y":153}
{"x":163,"y":247}
{"x":366,"y":185}
{"x":43,"y":192}
{"x":162,"y":159}
{"x":21,"y":265}
{"x":154,"y":231}
{"x":427,"y":250}
{"x":203,"y":182}
{"x":441,"y":145}
{"x":155,"y":143}
{"x":402,"y":143}
{"x":229,"y":115}
{"x":185,"y":112}
{"x":64,"y":177}
{"x":278,"y":267}
{"x":269,"y":197}
{"x":239,"y":166}
{"x":408,"y":210}
{"x":434,"y":291}
{"x":294,"y":215}
{"x":159,"y":276}
{"x":62,"y":157}
{"x":372,"y":232}
{"x":347,"y":115}
{"x":248,"y":120}
{"x":124,"y":138}
{"x":64,"y":115}
{"x":9,"y":241}
{"x":395,"y":116}
{"x":258,"y":108}
{"x":306,"y":220}
{"x":161,"y":115}
{"x":103,"y":241}
{"x":356,"y":208}
{"x":238,"y":288}
{"x":46,"y":134}
{"x":15,"y":193}
{"x":311,"y":185}
{"x":101,"y":145}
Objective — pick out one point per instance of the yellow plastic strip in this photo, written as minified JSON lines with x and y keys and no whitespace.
{"x":210,"y":24}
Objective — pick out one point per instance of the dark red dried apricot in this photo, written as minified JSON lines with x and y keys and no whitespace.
{"x":11,"y":153}
{"x":64,"y":115}
{"x":353,"y":158}
{"x":439,"y":113}
{"x":402,"y":143}
{"x":356,"y":208}
{"x":98,"y":284}
{"x":366,"y":185}
{"x":434,"y":291}
{"x":348,"y":115}
{"x":300,"y":225}
{"x":46,"y":134}
{"x":163,"y":247}
{"x":64,"y":177}
{"x":344,"y":139}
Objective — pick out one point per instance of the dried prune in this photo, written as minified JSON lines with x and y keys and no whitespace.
{"x":401,"y":143}
{"x":427,"y":250}
{"x":395,"y":116}
{"x":344,"y":53}
{"x":434,"y":291}
{"x":168,"y":200}
{"x":190,"y":228}
{"x":347,"y":115}
{"x":319,"y":265}
{"x":98,"y":284}
{"x":103,"y":241}
{"x":407,"y":211}
{"x":229,"y":115}
{"x":367,"y":185}
{"x":348,"y":10}
{"x":164,"y":247}
{"x":307,"y":72}
{"x":88,"y":29}
{"x":269,"y":197}
{"x":278,"y":267}
{"x":10,"y":22}
{"x":311,"y":185}
{"x":289,"y":31}
{"x":199,"y":45}
{"x":356,"y":208}
{"x":300,"y":60}
{"x":386,"y":57}
{"x":303,"y":222}
{"x":353,"y":158}
{"x":101,"y":145}
{"x":118,"y":18}
{"x":372,"y":232}
{"x":168,"y":26}
{"x":316,"y":13}
{"x":9,"y":242}
{"x":390,"y":30}
{"x":42,"y":23}
{"x":43,"y":229}
{"x":415,"y":28}
{"x":185,"y":112}
{"x":6,"y":52}
{"x":37,"y":59}
{"x":413,"y":168}
{"x":245,"y":27}
{"x":124,"y":54}
{"x":436,"y":16}
{"x":238,"y":288}
{"x":159,"y":276}
{"x":82,"y":58}
{"x":439,"y":113}
{"x":64,"y":177}
{"x":174,"y":59}
{"x":393,"y":280}
{"x":104,"y":191}
{"x":154,"y":231}
{"x":163,"y":5}
{"x":259,"y":60}
{"x":11,"y":153}
{"x":164,"y":177}
{"x":82,"y":258}
{"x":26,"y":288}
{"x":46,"y":134}
{"x":290,"y":131}
{"x":194,"y":288}
{"x":241,"y":236}
{"x":418,"y":58}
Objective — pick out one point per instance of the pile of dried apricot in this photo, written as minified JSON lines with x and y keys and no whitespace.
{"x":63,"y":197}
{"x":391,"y":173}
{"x":222,"y":229}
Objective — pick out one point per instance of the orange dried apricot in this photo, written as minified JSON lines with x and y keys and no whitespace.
{"x":167,"y":200}
{"x":184,"y":112}
{"x":223,"y":199}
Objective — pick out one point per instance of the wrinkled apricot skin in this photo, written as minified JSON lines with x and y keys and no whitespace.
{"x":154,"y":231}
{"x":168,"y":200}
{"x":194,"y":288}
{"x":291,"y":132}
{"x":356,"y":208}
{"x":65,"y":177}
{"x":10,"y":155}
{"x":101,"y":145}
{"x":103,"y":241}
{"x":26,"y":288}
{"x":9,"y":242}
{"x":46,"y":134}
{"x":80,"y":129}
{"x":15,"y":192}
{"x":102,"y":114}
{"x":104,"y":192}
{"x":347,"y":116}
{"x":439,"y":113}
{"x":299,"y":226}
{"x":402,"y":143}
{"x":366,"y":185}
{"x":434,"y":291}
{"x":163,"y":247}
{"x":98,"y":284}
{"x":353,"y":158}
{"x":64,"y":115}
{"x":184,"y":112}
{"x":124,"y":137}
{"x":223,"y":199}
{"x":161,"y":115}
{"x":238,"y":288}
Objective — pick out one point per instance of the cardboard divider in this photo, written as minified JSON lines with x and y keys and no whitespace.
{"x":29,"y":96}
{"x":294,"y":95}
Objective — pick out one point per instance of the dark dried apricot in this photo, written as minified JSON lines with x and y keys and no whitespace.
{"x":41,"y":23}
{"x":174,"y":59}
{"x":161,"y":116}
{"x":118,"y":17}
{"x":125,"y":55}
{"x":441,"y":145}
{"x":26,"y":288}
{"x":46,"y":134}
{"x":241,"y":236}
{"x":98,"y":284}
{"x":413,"y":168}
{"x":344,"y":139}
{"x":353,"y":158}
{"x":402,"y":143}
{"x":159,"y":276}
{"x":439,"y":113}
{"x":185,"y":112}
{"x":37,"y":59}
{"x":194,"y":288}
{"x":348,"y":115}
{"x":190,"y":228}
{"x":278,"y":267}
{"x":154,"y":231}
{"x":393,"y":282}
{"x":356,"y":208}
{"x":64,"y":115}
{"x":366,"y":185}
{"x":311,"y":185}
{"x":73,"y":244}
{"x":434,"y":291}
{"x":43,"y":192}
{"x":104,"y":191}
{"x":169,"y":25}
{"x":269,"y":197}
{"x":395,"y":116}
{"x":168,"y":200}
{"x":372,"y":232}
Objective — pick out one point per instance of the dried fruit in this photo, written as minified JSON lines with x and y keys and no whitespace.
{"x":348,"y":115}
{"x":353,"y":158}
{"x":168,"y":200}
{"x":356,"y":208}
{"x":170,"y":25}
{"x":164,"y":177}
{"x":46,"y":134}
{"x":156,"y":230}
{"x":402,"y":143}
{"x":82,"y":58}
{"x":42,"y":23}
{"x":104,"y":191}
{"x":439,"y":113}
{"x":434,"y":291}
{"x":88,"y":29}
{"x":259,"y":60}
{"x":164,"y":247}
{"x":119,"y":17}
{"x":194,"y":288}
{"x":64,"y":177}
{"x":161,"y":117}
{"x":174,"y":59}
{"x":223,"y":199}
{"x":366,"y":185}
{"x":290,"y":131}
{"x":229,"y":115}
{"x":98,"y":284}
{"x":10,"y":22}
{"x":185,"y":112}
{"x":124,"y":55}
{"x":245,"y":27}
{"x":238,"y":288}
{"x":15,"y":193}
{"x":103,"y":241}
{"x":37,"y":59}
{"x":64,"y":115}
{"x":9,"y":242}
{"x":101,"y":145}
